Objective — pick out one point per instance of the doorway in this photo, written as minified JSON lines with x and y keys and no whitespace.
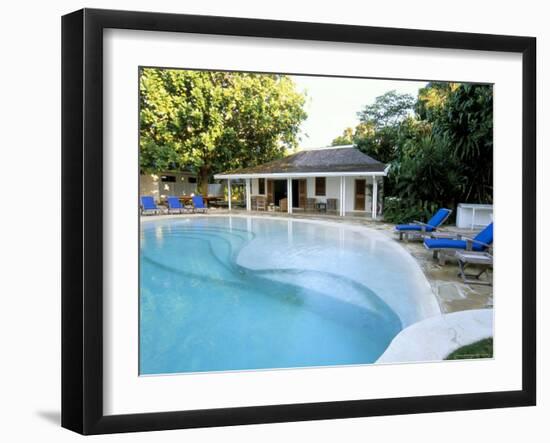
{"x":299,"y":193}
{"x":295,"y":194}
{"x":360,"y":187}
{"x":279,"y":191}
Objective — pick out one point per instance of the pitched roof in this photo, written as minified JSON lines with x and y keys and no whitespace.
{"x":337,"y":159}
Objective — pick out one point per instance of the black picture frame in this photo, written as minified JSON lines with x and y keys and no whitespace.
{"x":82,"y":232}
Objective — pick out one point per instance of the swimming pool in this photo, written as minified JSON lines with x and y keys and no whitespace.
{"x":221,"y":293}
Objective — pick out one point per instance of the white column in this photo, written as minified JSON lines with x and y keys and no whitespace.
{"x":374,"y":197}
{"x":341,"y":194}
{"x":289,"y":194}
{"x":248,"y":196}
{"x":229,"y":194}
{"x":344,"y":197}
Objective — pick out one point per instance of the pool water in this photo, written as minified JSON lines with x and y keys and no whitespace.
{"x":245,"y":293}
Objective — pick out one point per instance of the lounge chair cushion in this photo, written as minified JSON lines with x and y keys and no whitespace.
{"x":413,"y":228}
{"x":439,"y":217}
{"x":174,"y":203}
{"x":148,"y":203}
{"x":198,"y":202}
{"x":433,"y":223}
{"x":449,"y":243}
{"x":486,"y":235}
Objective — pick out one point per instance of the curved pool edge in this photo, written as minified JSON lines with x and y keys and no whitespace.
{"x":214,"y":314}
{"x":427,"y":305}
{"x":433,"y":339}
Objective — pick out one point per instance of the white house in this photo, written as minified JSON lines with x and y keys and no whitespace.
{"x":179,"y":183}
{"x":340,"y":177}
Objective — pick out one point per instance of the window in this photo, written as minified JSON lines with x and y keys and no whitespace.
{"x":261,"y":186}
{"x":320,"y":186}
{"x":192,"y":179}
{"x":168,"y":178}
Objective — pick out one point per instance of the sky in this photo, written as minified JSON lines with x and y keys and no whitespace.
{"x":332,"y":104}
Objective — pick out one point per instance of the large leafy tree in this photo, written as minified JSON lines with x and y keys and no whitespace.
{"x":347,"y":138}
{"x":441,"y":156}
{"x":388,"y":110}
{"x":354,"y":135}
{"x":214,"y":121}
{"x":466,"y":126}
{"x":378,"y":130}
{"x":432,"y":99}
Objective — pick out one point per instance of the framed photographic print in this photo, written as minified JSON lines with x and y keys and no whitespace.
{"x":269,"y":221}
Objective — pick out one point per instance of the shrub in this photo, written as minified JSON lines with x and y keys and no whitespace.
{"x":480,"y":349}
{"x":399,"y":210}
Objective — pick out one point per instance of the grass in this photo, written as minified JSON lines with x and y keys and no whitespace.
{"x":479,"y":349}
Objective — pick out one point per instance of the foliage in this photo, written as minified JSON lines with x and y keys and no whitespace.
{"x":447,"y":160}
{"x":354,"y":135}
{"x":432,"y":98}
{"x":466,"y":125}
{"x":441,"y":156}
{"x":381,"y":145}
{"x":387,"y":110}
{"x":426,"y":172}
{"x":378,"y":131}
{"x":215,"y":121}
{"x":346,"y":138}
{"x":401,"y":210}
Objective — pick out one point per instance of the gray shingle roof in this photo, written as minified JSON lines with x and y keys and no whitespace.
{"x":347,"y":159}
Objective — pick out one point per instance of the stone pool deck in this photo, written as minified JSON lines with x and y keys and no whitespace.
{"x":452,"y":294}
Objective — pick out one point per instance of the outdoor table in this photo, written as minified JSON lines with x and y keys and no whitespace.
{"x":220,"y":203}
{"x":207,"y":200}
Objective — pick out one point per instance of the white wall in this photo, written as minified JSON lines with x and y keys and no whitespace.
{"x":255,"y":187}
{"x":332,"y":191}
{"x":30,"y":314}
{"x":152,"y":184}
{"x":216,"y":189}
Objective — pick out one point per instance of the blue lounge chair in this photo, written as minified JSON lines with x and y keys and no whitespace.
{"x":480,"y":243}
{"x":419,"y":228}
{"x":175,"y":206}
{"x":148,"y":205}
{"x":198,"y":204}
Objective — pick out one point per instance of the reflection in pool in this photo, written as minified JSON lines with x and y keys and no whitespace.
{"x":238,"y":293}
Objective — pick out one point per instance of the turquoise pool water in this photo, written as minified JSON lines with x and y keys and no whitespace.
{"x":236,"y":293}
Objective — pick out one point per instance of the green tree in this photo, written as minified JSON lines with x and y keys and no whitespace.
{"x":214,"y":121}
{"x":465,"y":123}
{"x":378,"y":131}
{"x":446,"y":158}
{"x":427,"y":172}
{"x":441,"y":156}
{"x":346,"y":138}
{"x":354,"y":135}
{"x":388,"y":110}
{"x":432,"y":98}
